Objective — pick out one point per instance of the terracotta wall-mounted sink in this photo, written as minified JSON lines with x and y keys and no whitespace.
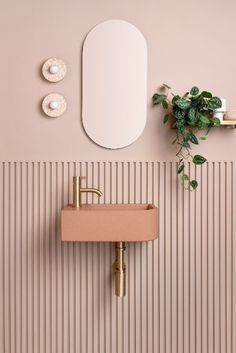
{"x":110,"y":223}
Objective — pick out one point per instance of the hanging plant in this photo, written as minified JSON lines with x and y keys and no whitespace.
{"x":189,"y":114}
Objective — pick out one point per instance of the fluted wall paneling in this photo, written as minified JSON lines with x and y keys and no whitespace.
{"x":59,"y":297}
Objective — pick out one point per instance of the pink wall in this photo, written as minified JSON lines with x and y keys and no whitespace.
{"x":58,"y":298}
{"x":188,"y":44}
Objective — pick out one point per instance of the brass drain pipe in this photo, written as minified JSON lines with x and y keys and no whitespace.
{"x":119,"y":268}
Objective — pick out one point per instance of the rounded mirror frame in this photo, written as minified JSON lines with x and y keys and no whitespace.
{"x":114,"y":90}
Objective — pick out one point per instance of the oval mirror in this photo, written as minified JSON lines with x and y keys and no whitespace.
{"x":114,"y":84}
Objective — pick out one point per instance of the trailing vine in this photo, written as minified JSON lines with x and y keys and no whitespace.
{"x":189,"y":114}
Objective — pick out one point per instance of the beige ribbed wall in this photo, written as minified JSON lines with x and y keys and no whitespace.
{"x":181,"y":289}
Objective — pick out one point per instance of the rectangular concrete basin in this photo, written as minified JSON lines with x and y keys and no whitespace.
{"x":109,"y":223}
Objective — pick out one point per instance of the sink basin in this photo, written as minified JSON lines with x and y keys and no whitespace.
{"x":109,"y":223}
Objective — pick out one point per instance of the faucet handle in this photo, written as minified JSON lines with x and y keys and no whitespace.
{"x":77,"y":179}
{"x":82,"y":178}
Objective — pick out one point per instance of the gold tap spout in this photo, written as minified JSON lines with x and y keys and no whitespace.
{"x":119,"y":268}
{"x":95,"y":191}
{"x":77,"y":191}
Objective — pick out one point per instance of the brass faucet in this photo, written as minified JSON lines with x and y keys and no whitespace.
{"x":77,"y":191}
{"x":119,"y":268}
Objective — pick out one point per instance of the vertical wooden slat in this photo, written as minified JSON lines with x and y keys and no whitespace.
{"x":156,"y":263}
{"x":175,"y":243}
{"x":143,"y":264}
{"x":29,"y":230}
{"x":229,"y":180}
{"x":168,"y":258}
{"x":222,"y":251}
{"x":71,"y":273}
{"x":109,"y":174}
{"x":47,"y":258}
{"x":118,"y":192}
{"x":83,"y":282}
{"x":192,"y":265}
{"x":137,"y":267}
{"x":12,"y":308}
{"x":2,"y":206}
{"x":233,"y":260}
{"x":126,"y":301}
{"x":59,"y":256}
{"x":211,"y":262}
{"x":217,"y":257}
{"x":198,"y":262}
{"x":162,"y":260}
{"x":79,"y":285}
{"x":5,"y":224}
{"x":131,"y":272}
{"x":149,"y":265}
{"x":90,"y":270}
{"x":180,"y":236}
{"x":53,"y":256}
{"x":35,"y":279}
{"x":40,"y":257}
{"x":204,"y":255}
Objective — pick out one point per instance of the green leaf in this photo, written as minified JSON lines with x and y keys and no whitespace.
{"x":158,"y":98}
{"x":183,"y":103}
{"x":194,"y":91}
{"x":185,"y":144}
{"x":184,"y":177}
{"x":166,"y":117}
{"x":193,"y":184}
{"x":192,"y":114}
{"x":180,"y":168}
{"x":179,"y":114}
{"x":198,"y":159}
{"x":166,"y":86}
{"x":201,"y":125}
{"x":175,"y":98}
{"x":206,"y":94}
{"x":180,"y":125}
{"x":216,"y":121}
{"x":204,"y":119}
{"x":214,"y":103}
{"x":165,"y":104}
{"x":193,"y":138}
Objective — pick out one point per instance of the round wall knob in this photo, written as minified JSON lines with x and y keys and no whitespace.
{"x":54,"y":70}
{"x":54,"y":105}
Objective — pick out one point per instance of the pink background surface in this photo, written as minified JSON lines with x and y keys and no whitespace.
{"x":188,"y":44}
{"x":59,"y":298}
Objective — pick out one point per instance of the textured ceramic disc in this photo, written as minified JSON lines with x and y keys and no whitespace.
{"x":57,"y":64}
{"x":54,"y":97}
